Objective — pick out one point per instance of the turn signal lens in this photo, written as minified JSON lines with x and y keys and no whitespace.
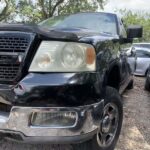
{"x":90,"y":56}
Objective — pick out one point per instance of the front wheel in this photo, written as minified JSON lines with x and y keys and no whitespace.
{"x":110,"y":126}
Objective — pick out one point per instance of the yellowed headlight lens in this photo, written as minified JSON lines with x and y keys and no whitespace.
{"x":44,"y":60}
{"x":55,"y":56}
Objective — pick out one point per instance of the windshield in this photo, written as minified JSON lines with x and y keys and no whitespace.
{"x":97,"y":22}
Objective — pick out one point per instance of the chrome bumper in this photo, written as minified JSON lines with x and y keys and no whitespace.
{"x":16,"y":125}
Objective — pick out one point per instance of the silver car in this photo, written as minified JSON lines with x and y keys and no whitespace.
{"x":139,"y":60}
{"x":142,"y":45}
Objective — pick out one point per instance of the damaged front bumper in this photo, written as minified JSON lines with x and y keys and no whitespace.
{"x":52,"y":124}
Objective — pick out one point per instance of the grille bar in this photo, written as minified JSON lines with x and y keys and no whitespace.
{"x":12,"y":46}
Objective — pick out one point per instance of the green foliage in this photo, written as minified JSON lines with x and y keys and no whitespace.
{"x":35,"y":11}
{"x":73,"y":6}
{"x":76,"y":6}
{"x":7,"y":9}
{"x":138,"y":18}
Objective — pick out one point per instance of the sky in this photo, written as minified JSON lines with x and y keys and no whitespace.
{"x":112,"y":5}
{"x":135,"y":5}
{"x":1,"y":6}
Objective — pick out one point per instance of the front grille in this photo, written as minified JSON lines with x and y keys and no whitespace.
{"x":13,"y":47}
{"x":13,"y":44}
{"x":8,"y":72}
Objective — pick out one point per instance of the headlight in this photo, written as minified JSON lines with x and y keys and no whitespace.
{"x":53,"y":56}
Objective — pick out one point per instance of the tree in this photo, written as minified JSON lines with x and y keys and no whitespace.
{"x":77,"y":6}
{"x":6,"y":9}
{"x":34,"y":11}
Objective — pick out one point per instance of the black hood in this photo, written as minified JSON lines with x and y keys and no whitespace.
{"x":87,"y":35}
{"x":43,"y":33}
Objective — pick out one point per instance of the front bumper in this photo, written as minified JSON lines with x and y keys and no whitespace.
{"x":16,"y":125}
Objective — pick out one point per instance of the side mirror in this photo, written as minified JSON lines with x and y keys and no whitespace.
{"x":134,"y":31}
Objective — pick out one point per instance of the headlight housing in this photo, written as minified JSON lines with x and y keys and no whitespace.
{"x":54,"y":56}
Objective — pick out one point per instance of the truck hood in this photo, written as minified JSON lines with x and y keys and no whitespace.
{"x":65,"y":34}
{"x":89,"y":36}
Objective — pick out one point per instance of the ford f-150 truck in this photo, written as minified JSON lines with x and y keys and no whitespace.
{"x":61,"y":80}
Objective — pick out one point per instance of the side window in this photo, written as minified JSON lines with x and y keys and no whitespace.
{"x":147,"y":55}
{"x":142,"y":54}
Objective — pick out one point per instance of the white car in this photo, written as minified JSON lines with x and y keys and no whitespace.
{"x":139,"y":60}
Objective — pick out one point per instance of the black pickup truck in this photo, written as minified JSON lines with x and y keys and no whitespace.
{"x":60,"y":80}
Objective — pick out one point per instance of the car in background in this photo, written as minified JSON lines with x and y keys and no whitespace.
{"x":139,"y":60}
{"x":147,"y":82}
{"x":141,"y":45}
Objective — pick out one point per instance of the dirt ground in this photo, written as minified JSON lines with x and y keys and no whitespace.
{"x":136,"y":126}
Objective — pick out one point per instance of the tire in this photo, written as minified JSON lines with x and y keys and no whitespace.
{"x":130,"y":85}
{"x":112,"y":98}
{"x":146,"y":73}
{"x":147,"y":85}
{"x":1,"y":137}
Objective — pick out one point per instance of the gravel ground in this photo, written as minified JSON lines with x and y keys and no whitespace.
{"x":136,"y":126}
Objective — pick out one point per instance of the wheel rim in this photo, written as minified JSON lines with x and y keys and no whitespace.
{"x":109,"y":125}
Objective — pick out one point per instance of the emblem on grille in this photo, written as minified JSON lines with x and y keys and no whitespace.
{"x":19,"y":59}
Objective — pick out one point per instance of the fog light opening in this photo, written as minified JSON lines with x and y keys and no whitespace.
{"x":63,"y":119}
